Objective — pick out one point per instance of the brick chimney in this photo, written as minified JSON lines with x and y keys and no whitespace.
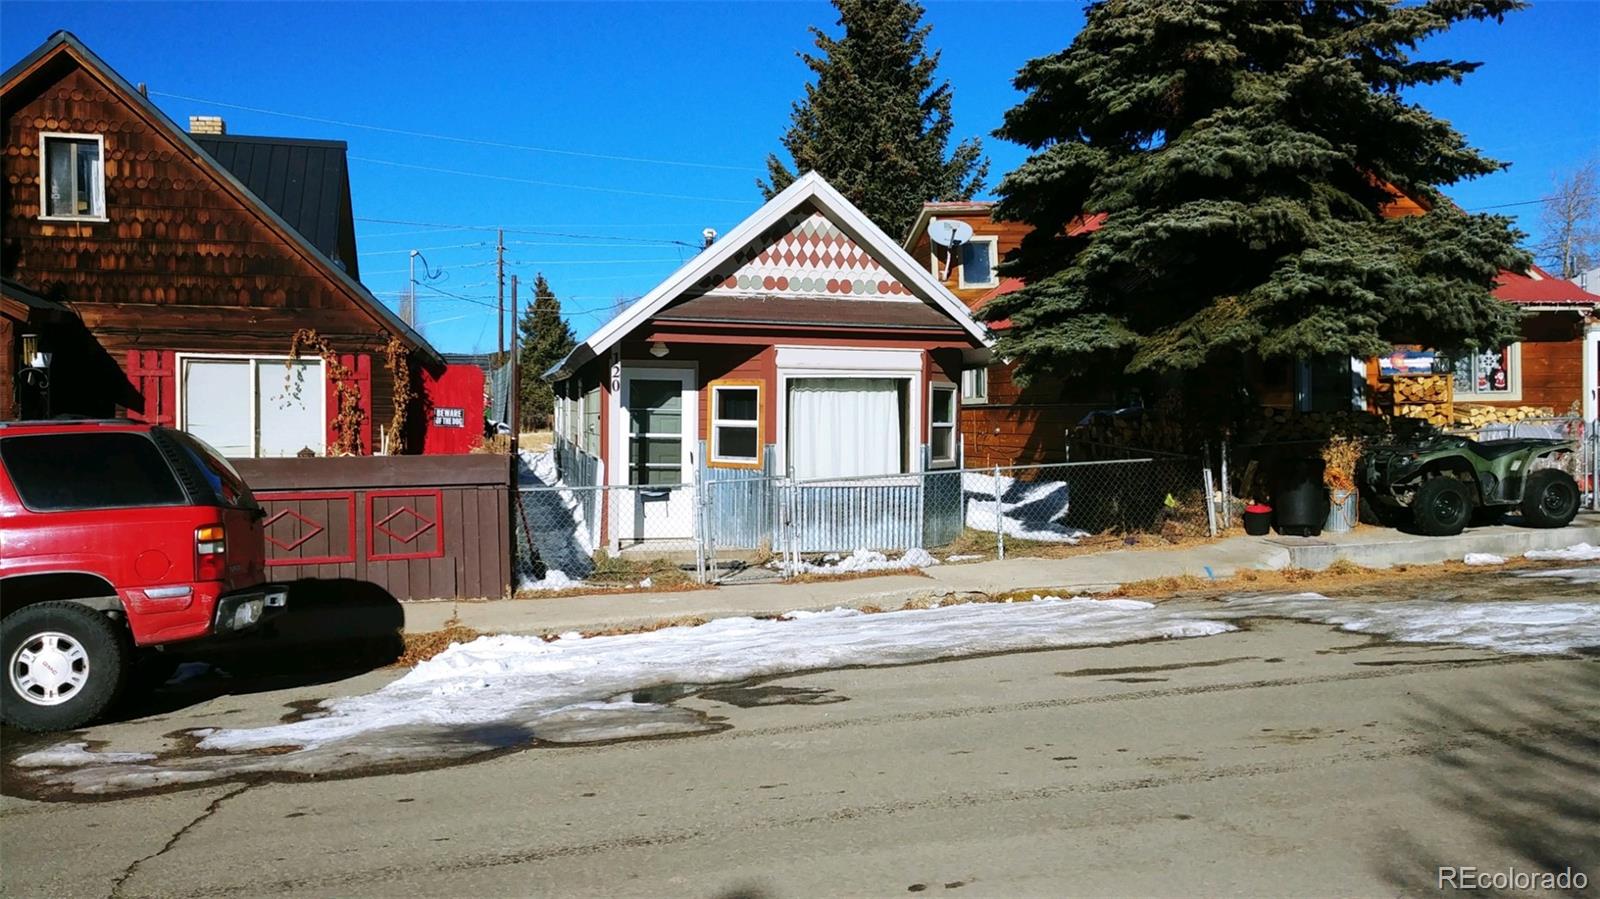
{"x":207,"y":124}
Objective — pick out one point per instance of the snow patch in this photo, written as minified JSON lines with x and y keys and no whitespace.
{"x":964,"y":558}
{"x":1570,"y":575}
{"x":1510,"y":627}
{"x":554,"y":579}
{"x":1578,"y":552}
{"x":860,"y":560}
{"x":66,"y":755}
{"x":503,"y":691}
{"x":554,"y":519}
{"x":1483,"y":559}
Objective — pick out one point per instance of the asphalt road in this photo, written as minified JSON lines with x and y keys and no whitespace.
{"x":1285,"y":759}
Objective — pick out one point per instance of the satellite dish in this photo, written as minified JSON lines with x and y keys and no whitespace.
{"x":948,"y":232}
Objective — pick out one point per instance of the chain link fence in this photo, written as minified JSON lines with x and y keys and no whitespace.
{"x":751,"y":526}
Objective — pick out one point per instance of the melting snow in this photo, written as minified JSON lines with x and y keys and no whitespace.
{"x":67,"y":754}
{"x":860,"y":560}
{"x":1571,"y":575}
{"x":1513,"y":627}
{"x":1484,"y":559}
{"x":1027,"y":511}
{"x":1578,"y":552}
{"x":554,"y":579}
{"x":507,"y":691}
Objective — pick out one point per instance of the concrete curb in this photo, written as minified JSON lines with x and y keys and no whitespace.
{"x":1097,"y":572}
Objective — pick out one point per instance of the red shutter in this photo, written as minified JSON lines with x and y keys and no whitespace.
{"x":361,"y":368}
{"x":153,"y":373}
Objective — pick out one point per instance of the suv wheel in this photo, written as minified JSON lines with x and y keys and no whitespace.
{"x":1551,"y":499}
{"x":1442,"y":506}
{"x":65,"y":664}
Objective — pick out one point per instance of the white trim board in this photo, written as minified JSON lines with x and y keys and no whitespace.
{"x":812,"y":188}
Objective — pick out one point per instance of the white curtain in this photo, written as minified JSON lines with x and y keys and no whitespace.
{"x":844,"y":427}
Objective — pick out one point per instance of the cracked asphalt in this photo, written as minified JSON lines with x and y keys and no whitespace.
{"x":1288,"y":758}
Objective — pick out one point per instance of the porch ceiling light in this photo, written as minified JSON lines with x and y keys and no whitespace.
{"x":658,"y":349}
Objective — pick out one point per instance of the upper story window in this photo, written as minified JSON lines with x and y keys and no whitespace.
{"x":72,"y":183}
{"x":978,"y":261}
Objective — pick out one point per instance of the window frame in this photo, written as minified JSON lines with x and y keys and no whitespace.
{"x":1513,"y":391}
{"x":954,"y":425}
{"x":44,"y":176}
{"x":994,"y":263}
{"x":714,"y":458}
{"x":254,"y":359}
{"x":981,"y":373}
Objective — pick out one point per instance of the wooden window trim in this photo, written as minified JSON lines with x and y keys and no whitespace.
{"x":982,"y":397}
{"x":44,"y":177}
{"x":954,"y":424}
{"x":712,"y":460}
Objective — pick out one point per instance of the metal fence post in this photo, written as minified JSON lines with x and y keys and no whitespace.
{"x":999,"y":519}
{"x":1210,"y":488}
{"x":1227,"y":490}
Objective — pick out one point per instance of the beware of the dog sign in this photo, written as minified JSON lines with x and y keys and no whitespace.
{"x":449,"y":417}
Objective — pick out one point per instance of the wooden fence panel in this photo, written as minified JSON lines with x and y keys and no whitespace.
{"x":421,"y":527}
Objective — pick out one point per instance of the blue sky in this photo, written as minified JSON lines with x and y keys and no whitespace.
{"x":704,"y":83}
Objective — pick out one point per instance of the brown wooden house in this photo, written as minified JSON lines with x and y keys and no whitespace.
{"x":164,"y":276}
{"x":1556,"y":365}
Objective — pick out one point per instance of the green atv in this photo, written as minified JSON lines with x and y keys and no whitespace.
{"x":1443,"y":482}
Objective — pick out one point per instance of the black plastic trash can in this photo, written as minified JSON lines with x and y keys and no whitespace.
{"x":1300,"y":499}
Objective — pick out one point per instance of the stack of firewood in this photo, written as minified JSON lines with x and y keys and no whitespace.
{"x":1478,"y":416}
{"x":1429,"y":398}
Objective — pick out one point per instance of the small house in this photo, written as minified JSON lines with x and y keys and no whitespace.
{"x":804,"y":344}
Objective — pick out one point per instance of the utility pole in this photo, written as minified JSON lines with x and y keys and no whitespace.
{"x":408,"y":303}
{"x":500,"y":281}
{"x":516,"y":374}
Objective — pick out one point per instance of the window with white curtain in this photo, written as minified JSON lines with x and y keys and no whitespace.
{"x":736,"y":424}
{"x":254,"y":406}
{"x":942,"y":424}
{"x":72,"y":181}
{"x":842,"y":427}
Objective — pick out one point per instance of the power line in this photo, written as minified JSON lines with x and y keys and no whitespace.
{"x":1522,"y":203}
{"x":461,"y":140}
{"x":453,"y":246}
{"x":556,"y":184}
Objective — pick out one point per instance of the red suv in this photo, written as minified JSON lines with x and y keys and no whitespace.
{"x":115,"y":538}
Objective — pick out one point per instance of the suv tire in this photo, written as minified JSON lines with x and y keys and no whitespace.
{"x":1550,"y":499}
{"x":65,"y":664}
{"x":1442,"y":506}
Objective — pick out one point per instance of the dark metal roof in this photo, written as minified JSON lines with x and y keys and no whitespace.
{"x":306,"y":182}
{"x":12,"y":290}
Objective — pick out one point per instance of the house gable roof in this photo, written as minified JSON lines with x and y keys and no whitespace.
{"x":65,"y":43}
{"x":810,"y":192}
{"x":306,"y":182}
{"x":1540,"y":288}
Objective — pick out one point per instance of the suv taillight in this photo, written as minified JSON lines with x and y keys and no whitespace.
{"x":210,"y":553}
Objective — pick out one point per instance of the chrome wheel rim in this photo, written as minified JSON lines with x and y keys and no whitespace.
{"x":49,"y":668}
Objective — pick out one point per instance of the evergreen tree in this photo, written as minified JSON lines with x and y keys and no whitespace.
{"x":546,"y":339}
{"x":874,"y":124}
{"x":1241,"y":154}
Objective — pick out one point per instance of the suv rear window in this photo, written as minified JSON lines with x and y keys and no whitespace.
{"x":66,"y":472}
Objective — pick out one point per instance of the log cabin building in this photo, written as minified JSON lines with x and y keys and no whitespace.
{"x":164,"y":276}
{"x":1556,"y":365}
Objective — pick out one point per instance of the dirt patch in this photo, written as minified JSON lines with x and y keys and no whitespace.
{"x":426,"y":645}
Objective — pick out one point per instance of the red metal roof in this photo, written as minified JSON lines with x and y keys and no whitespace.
{"x":1539,"y":287}
{"x":1006,"y":285}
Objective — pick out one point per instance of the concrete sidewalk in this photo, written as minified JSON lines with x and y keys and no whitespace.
{"x":1369,"y":547}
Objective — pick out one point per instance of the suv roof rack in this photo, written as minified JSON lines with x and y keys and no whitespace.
{"x":69,"y":421}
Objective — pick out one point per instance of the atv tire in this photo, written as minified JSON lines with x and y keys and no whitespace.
{"x":65,"y":665}
{"x":1550,"y":499}
{"x":1442,"y":507}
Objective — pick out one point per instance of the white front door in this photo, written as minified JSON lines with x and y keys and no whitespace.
{"x":659,"y":430}
{"x":1591,"y":374}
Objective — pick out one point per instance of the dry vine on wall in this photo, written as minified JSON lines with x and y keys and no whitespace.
{"x":346,"y":422}
{"x":399,"y":365}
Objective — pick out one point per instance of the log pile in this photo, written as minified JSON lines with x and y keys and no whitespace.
{"x":1479,"y":416}
{"x":1429,"y":398}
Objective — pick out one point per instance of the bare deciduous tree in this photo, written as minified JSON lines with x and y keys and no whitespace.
{"x":1570,"y":222}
